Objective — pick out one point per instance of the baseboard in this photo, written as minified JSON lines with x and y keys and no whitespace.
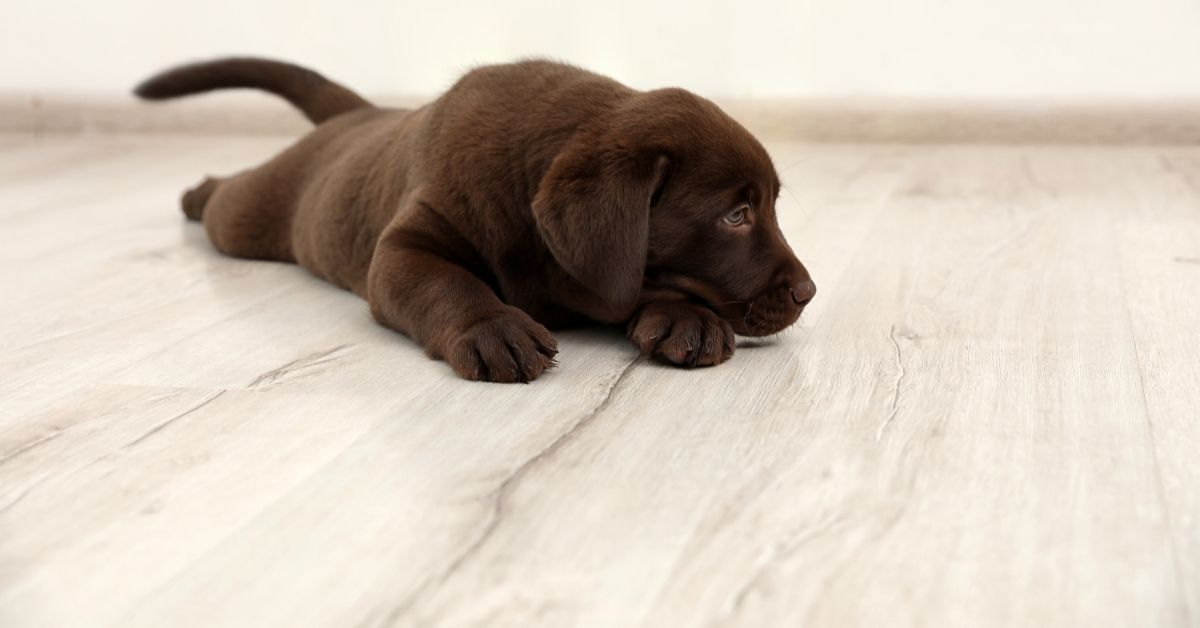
{"x":831,"y":120}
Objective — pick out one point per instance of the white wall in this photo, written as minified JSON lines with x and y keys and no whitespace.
{"x":924,"y":48}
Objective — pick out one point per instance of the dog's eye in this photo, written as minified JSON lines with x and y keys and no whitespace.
{"x":737,"y":216}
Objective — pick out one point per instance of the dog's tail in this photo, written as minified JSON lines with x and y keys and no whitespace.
{"x":318,"y":97}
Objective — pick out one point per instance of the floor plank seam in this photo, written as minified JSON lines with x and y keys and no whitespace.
{"x":1176,"y":560}
{"x":779,"y":553}
{"x":1034,"y":180}
{"x":161,"y":426}
{"x":23,"y":494}
{"x":500,"y":495}
{"x":209,"y":326}
{"x":318,"y":359}
{"x":895,"y":404}
{"x":24,"y":449}
{"x":1169,"y":166}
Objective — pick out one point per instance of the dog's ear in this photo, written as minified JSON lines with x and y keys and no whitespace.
{"x":593,"y":211}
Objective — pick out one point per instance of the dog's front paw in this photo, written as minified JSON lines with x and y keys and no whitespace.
{"x":508,"y":347}
{"x":682,"y":333}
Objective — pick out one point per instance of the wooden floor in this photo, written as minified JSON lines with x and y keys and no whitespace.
{"x":990,"y":416}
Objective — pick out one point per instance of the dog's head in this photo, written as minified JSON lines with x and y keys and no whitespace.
{"x":668,"y":197}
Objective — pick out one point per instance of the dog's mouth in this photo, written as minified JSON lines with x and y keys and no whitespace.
{"x":758,"y":319}
{"x":768,"y":313}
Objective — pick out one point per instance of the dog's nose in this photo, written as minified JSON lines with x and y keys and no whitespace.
{"x":803,"y":292}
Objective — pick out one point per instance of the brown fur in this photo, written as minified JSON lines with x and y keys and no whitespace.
{"x":529,"y":195}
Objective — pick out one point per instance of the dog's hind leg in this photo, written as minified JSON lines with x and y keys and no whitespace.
{"x":245,"y":215}
{"x":196,"y":198}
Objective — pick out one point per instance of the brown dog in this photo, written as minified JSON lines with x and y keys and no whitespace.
{"x":529,"y":194}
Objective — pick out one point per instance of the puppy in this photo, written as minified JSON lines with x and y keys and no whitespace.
{"x":529,"y":195}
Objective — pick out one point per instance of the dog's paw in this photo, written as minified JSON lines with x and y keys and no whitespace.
{"x":506,"y":347}
{"x":682,"y":333}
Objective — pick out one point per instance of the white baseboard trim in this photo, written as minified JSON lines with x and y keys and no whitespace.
{"x":852,"y":120}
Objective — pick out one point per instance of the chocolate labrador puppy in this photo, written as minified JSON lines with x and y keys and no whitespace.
{"x":529,"y":195}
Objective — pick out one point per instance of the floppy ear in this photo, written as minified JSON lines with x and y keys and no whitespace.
{"x":593,"y":211}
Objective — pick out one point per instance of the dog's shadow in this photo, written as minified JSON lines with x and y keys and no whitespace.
{"x":610,"y":340}
{"x":745,"y":343}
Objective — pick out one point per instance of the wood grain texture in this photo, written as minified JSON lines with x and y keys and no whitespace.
{"x":988,"y":417}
